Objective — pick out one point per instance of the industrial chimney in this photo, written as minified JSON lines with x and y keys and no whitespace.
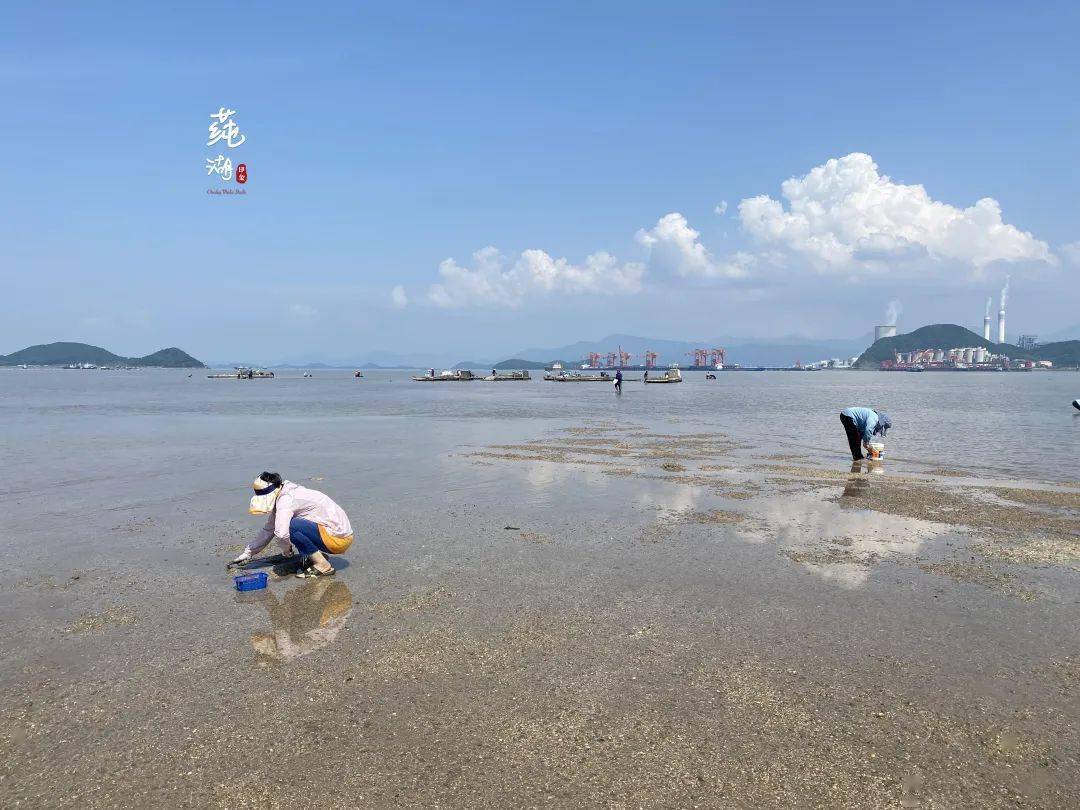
{"x":1001,"y":311}
{"x":986,"y":327}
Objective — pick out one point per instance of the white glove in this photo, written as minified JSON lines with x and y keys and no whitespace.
{"x":243,"y":558}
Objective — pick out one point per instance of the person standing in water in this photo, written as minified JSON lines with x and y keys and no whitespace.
{"x":618,"y":381}
{"x":298,"y":518}
{"x":861,"y":425}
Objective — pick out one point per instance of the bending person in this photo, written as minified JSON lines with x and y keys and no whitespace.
{"x":300,"y":518}
{"x":861,"y":425}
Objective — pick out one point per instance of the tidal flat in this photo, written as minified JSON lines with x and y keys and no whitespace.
{"x":551,"y":611}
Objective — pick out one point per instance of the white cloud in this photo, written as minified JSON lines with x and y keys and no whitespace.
{"x":492,"y":282}
{"x":675,"y":247}
{"x":845,"y":217}
{"x":842,"y":218}
{"x":1071,"y":253}
{"x":398,"y":297}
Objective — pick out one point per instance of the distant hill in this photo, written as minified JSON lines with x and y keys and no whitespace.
{"x":1064,"y":353}
{"x":951,"y":336}
{"x":935,"y":336}
{"x":517,"y":363}
{"x":780,"y":351}
{"x":63,"y":354}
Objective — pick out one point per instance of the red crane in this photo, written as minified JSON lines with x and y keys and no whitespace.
{"x":718,"y":357}
{"x":624,"y":358}
{"x":610,"y":360}
{"x":701,"y":357}
{"x":650,"y":359}
{"x":594,"y":359}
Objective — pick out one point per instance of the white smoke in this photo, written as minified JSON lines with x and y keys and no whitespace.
{"x":1005,"y":292}
{"x":892,"y":312}
{"x":989,"y":304}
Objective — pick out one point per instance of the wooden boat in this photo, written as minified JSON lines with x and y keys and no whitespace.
{"x":576,"y":376}
{"x":507,"y":376}
{"x":672,"y":375}
{"x":243,"y":373}
{"x":451,"y":375}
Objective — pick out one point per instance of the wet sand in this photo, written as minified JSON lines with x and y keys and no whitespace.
{"x":574,"y":616}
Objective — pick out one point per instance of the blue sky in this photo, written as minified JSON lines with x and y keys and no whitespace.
{"x":384,"y":139}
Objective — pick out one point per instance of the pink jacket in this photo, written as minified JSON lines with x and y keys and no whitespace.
{"x":300,"y":502}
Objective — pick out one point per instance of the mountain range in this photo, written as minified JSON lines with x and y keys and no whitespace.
{"x":65,"y":354}
{"x":782,"y":351}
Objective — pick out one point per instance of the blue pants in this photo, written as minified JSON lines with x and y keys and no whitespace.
{"x":305,"y":537}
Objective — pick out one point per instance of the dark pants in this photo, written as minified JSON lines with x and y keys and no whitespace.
{"x":854,"y":437}
{"x":305,"y":537}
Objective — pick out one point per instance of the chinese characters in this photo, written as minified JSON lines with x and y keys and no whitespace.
{"x":220,"y":166}
{"x":223,"y":129}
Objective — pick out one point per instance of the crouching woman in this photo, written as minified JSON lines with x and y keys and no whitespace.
{"x":298,"y":518}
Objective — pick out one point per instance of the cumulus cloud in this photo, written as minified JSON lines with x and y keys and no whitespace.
{"x":845,"y":216}
{"x":398,"y":297}
{"x":494,"y":281}
{"x":1071,"y":253}
{"x":842,"y":218}
{"x":676,"y":248}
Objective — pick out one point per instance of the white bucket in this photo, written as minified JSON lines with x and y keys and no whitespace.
{"x":877,"y":449}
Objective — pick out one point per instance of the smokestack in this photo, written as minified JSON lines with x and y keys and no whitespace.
{"x":1001,"y":312}
{"x":986,"y":327}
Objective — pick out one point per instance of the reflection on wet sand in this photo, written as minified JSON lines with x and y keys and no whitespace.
{"x":858,"y":482}
{"x":308,"y":618}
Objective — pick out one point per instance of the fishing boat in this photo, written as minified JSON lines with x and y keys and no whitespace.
{"x":507,"y":376}
{"x":576,"y":376}
{"x":358,"y":374}
{"x":672,"y":375}
{"x":243,"y":373}
{"x":450,"y":375}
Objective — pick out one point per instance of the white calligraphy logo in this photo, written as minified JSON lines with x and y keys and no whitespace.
{"x":224,"y":128}
{"x":221,"y":166}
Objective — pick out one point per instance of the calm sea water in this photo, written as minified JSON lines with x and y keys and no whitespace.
{"x":62,"y":427}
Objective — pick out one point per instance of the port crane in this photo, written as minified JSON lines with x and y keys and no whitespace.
{"x":650,"y":359}
{"x":701,"y":357}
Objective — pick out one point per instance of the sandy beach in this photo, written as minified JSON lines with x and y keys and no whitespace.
{"x":631,"y":612}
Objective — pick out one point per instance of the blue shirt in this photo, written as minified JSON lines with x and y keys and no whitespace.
{"x":865,"y":419}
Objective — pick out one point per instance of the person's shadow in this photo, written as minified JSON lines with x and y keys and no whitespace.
{"x":283,"y":566}
{"x":309,"y":617}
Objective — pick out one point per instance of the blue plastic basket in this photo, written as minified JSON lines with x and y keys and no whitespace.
{"x":250,"y":582}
